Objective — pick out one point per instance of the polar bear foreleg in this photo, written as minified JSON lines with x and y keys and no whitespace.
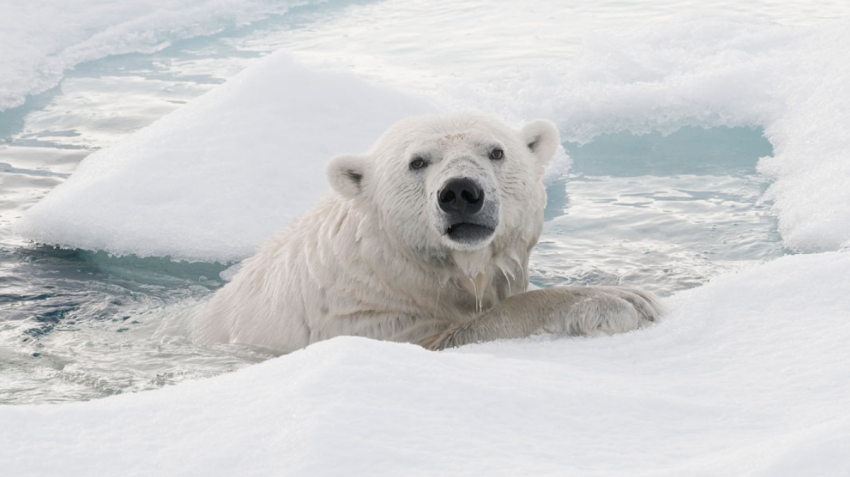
{"x":587,"y":311}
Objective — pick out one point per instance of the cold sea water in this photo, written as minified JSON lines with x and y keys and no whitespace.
{"x":664,"y":210}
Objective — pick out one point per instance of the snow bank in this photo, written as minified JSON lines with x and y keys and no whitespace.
{"x":748,"y":377}
{"x":213,"y":179}
{"x":710,"y":72}
{"x":41,"y":39}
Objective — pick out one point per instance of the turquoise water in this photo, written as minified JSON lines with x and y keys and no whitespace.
{"x":663,"y":212}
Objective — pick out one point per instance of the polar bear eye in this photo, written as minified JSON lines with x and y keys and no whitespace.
{"x":418,"y":163}
{"x":497,"y":154}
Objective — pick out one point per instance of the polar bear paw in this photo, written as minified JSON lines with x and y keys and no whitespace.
{"x":599,"y":311}
{"x":580,"y":311}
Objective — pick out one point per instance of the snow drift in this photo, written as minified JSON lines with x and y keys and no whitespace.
{"x":747,"y":377}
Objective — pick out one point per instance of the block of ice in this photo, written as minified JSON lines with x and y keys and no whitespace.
{"x":214,"y":178}
{"x":748,"y":376}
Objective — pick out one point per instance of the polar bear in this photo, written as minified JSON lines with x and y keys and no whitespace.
{"x":424,"y":239}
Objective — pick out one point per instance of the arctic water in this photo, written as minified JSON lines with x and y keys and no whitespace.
{"x":662,"y":211}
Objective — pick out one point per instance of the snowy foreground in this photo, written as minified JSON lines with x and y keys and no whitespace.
{"x":747,"y":377}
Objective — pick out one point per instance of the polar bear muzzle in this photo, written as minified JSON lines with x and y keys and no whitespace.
{"x":467,"y":219}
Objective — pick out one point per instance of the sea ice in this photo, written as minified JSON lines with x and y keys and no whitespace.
{"x":41,"y":39}
{"x":703,"y":71}
{"x":214,"y":178}
{"x":709,"y":72}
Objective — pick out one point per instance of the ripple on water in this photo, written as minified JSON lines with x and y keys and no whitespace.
{"x":79,"y":325}
{"x":664,"y":213}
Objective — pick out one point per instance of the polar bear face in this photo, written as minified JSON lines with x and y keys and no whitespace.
{"x":451,"y":183}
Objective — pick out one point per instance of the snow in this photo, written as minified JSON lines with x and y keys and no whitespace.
{"x":789,"y":80}
{"x":748,"y":377}
{"x":213,"y":179}
{"x":721,"y":72}
{"x":41,"y":39}
{"x":725,"y":72}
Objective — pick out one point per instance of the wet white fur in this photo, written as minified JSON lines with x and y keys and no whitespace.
{"x":371,"y":259}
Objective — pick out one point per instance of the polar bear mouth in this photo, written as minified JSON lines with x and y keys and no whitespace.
{"x":466,"y":232}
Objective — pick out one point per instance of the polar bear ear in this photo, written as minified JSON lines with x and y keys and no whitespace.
{"x":345,"y":174}
{"x":542,"y":138}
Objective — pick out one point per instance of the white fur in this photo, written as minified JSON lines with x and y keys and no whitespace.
{"x":372,"y":259}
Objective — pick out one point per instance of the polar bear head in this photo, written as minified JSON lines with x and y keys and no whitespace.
{"x":444,"y":185}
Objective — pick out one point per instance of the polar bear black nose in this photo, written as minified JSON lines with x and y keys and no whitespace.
{"x":461,"y":196}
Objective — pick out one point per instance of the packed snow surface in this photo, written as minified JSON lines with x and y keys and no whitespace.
{"x":747,"y":377}
{"x":41,"y":39}
{"x":213,"y":179}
